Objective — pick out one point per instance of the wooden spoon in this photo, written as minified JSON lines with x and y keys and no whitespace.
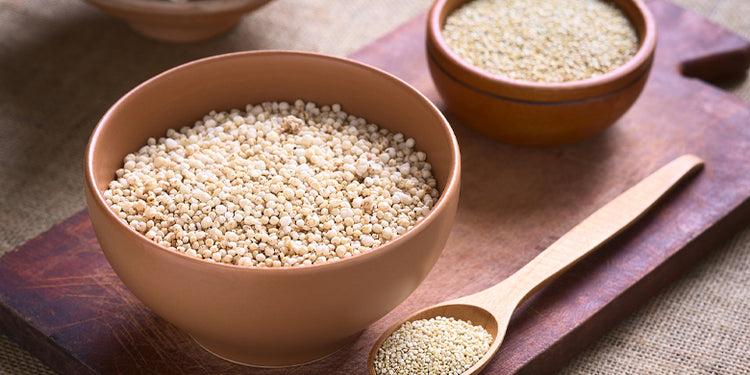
{"x":493,"y":307}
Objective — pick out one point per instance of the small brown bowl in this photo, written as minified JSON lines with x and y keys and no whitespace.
{"x":179,"y":22}
{"x":270,"y":316}
{"x":538,"y":114}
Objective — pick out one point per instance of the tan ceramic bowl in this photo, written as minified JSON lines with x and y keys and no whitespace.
{"x":179,"y":22}
{"x":263,"y":316}
{"x":538,"y":114}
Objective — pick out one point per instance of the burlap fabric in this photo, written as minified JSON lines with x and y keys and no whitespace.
{"x":63,"y":63}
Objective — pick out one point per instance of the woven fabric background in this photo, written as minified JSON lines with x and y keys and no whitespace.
{"x":63,"y":63}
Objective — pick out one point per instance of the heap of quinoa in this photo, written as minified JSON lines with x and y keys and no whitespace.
{"x":276,"y":185}
{"x":439,"y":346}
{"x":542,"y":40}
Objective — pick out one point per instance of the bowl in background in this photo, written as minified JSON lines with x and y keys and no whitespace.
{"x":179,"y":21}
{"x":270,"y":316}
{"x":538,"y":114}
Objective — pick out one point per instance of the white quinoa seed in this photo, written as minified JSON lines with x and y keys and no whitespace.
{"x":276,"y":185}
{"x":440,"y":346}
{"x":541,"y":40}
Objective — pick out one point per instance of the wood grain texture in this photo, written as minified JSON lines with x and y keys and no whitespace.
{"x":585,"y":237}
{"x":61,"y":301}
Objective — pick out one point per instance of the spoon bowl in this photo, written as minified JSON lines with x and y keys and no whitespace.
{"x":468,"y":312}
{"x":493,"y":307}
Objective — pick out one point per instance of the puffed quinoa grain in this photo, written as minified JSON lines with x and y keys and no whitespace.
{"x":439,"y":346}
{"x":278,"y":184}
{"x":541,"y":40}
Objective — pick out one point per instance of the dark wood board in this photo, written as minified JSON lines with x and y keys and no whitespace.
{"x":61,"y":300}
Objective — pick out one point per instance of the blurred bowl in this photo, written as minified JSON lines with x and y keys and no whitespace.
{"x":538,"y":114}
{"x":270,"y":316}
{"x":179,"y":22}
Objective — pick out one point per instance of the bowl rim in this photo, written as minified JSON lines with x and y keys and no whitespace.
{"x":166,"y":8}
{"x":450,"y":189}
{"x":438,"y":51}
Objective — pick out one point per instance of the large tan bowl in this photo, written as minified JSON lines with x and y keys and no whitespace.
{"x":538,"y":114}
{"x":264,"y":316}
{"x":179,"y":22}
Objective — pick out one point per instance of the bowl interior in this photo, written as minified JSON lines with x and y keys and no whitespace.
{"x":183,"y":95}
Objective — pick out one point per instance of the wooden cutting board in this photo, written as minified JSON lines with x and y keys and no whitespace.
{"x":60,"y":299}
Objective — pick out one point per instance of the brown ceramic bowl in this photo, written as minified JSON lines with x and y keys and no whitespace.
{"x":270,"y":316}
{"x":538,"y":114}
{"x":179,"y":22}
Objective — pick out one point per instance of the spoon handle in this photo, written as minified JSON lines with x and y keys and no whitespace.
{"x":598,"y":228}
